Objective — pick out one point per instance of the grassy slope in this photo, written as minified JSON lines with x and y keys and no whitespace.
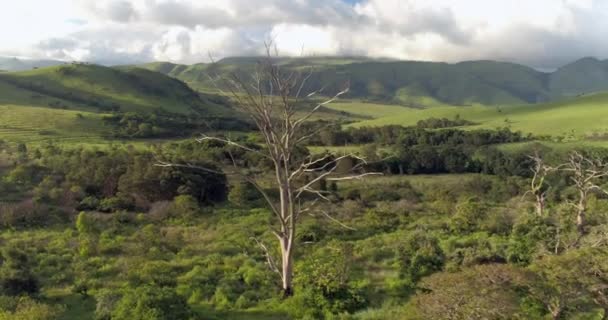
{"x":32,"y":124}
{"x":65,"y":103}
{"x":576,"y":117}
{"x":85,"y":86}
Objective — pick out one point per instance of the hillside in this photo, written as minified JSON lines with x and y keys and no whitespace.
{"x":576,"y":118}
{"x":97,"y":88}
{"x":69,"y":103}
{"x":420,"y":84}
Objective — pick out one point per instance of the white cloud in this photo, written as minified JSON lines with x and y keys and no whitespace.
{"x":297,"y":40}
{"x":543,"y":33}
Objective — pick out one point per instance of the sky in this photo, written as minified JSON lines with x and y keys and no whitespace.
{"x":544,"y":34}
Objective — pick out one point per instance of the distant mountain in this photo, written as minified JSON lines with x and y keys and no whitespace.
{"x":16,"y":64}
{"x":419,"y":84}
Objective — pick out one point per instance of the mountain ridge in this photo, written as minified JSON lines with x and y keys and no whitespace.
{"x":414,"y":83}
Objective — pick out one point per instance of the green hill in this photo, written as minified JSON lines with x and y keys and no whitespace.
{"x":419,"y":84}
{"x":69,"y":102}
{"x":582,"y":76}
{"x":97,"y":88}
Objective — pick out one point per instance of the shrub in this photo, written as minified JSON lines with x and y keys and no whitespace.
{"x":420,"y":256}
{"x":468,"y":215}
{"x":324,"y":281}
{"x":151,"y":303}
{"x":185,"y":206}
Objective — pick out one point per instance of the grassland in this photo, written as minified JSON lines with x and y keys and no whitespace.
{"x":33,"y":124}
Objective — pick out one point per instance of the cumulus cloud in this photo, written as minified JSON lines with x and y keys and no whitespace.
{"x":540,"y":33}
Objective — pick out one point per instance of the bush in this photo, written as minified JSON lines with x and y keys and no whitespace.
{"x":324,"y":283}
{"x":185,"y":206}
{"x":529,"y":236}
{"x":469,"y":214}
{"x":420,"y":256}
{"x":151,"y":303}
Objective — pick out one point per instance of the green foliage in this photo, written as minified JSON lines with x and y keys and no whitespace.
{"x":185,"y":206}
{"x":151,"y":303}
{"x":325,"y":280}
{"x":572,"y":282}
{"x":419,"y":256}
{"x":530,"y":235}
{"x":85,"y":224}
{"x":468,"y":215}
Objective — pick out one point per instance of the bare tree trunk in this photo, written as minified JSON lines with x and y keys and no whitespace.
{"x":580,"y":215}
{"x":287,"y":267}
{"x":288,"y":230}
{"x":540,"y":204}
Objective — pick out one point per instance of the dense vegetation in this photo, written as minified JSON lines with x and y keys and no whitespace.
{"x":107,"y":234}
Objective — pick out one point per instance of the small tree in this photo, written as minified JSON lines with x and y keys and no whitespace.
{"x":586,"y":173}
{"x":280,"y":102}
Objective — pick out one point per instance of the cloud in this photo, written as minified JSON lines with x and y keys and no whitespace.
{"x":540,"y":33}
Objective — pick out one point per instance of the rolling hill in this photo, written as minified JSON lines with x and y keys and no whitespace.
{"x":420,"y":84}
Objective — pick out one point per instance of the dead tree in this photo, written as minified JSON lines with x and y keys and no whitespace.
{"x":586,"y":173}
{"x":273,"y":98}
{"x":538,"y":186}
